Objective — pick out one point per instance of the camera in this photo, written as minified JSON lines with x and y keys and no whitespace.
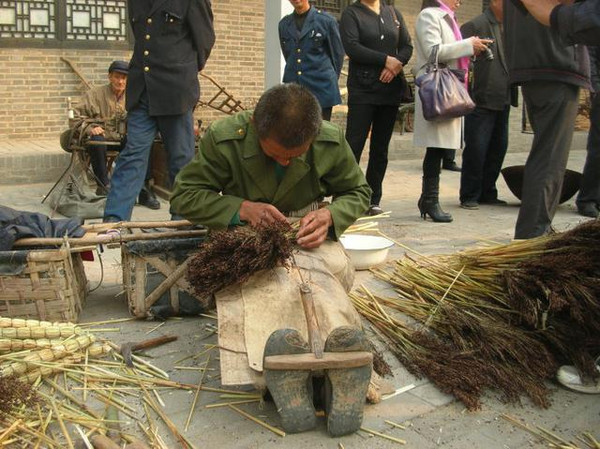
{"x":488,"y":55}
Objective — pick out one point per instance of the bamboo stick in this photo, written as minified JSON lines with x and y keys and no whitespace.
{"x":275,"y":430}
{"x":382,"y":435}
{"x":189,"y":418}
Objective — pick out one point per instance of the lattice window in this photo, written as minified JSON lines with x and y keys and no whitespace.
{"x":96,"y":20}
{"x":64,"y":23}
{"x":28,"y":19}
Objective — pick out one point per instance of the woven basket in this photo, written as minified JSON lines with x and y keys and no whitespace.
{"x":48,"y":285}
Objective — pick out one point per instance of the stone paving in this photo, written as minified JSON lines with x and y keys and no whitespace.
{"x":432,"y":419}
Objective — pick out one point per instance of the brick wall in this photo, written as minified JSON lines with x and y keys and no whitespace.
{"x":35,"y":83}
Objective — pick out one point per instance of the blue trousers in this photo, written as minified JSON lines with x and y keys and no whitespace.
{"x":177,"y":133}
{"x":590,"y":184}
{"x":486,"y":142}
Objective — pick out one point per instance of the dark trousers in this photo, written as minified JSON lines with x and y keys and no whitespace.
{"x":486,"y":141}
{"x":380,"y":119}
{"x":432,"y":162}
{"x":98,"y":161}
{"x":590,"y":184}
{"x":326,"y":113}
{"x":552,"y":109}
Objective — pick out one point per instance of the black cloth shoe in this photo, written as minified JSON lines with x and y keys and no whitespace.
{"x":450,"y":166}
{"x":470,"y":205}
{"x":493,"y":202}
{"x":148,"y":199}
{"x":588,"y":209}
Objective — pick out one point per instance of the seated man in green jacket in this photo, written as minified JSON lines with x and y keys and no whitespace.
{"x":277,"y":162}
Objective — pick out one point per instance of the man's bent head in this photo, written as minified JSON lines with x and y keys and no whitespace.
{"x":117,"y":76}
{"x":288,"y":116}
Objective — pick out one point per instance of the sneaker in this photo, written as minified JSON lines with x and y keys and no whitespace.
{"x":470,"y":205}
{"x":570,"y":377}
{"x":493,"y":202}
{"x":374,"y":209}
{"x":148,"y":199}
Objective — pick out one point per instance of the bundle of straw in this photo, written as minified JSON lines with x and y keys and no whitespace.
{"x":501,"y":318}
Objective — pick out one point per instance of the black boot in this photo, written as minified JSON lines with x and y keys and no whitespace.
{"x":429,"y":203}
{"x":147,"y":198}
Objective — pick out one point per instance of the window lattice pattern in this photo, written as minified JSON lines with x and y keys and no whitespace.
{"x":28,"y":19}
{"x":332,"y":6}
{"x":99,"y":20}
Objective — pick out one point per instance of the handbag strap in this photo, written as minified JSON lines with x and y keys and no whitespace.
{"x":432,"y":62}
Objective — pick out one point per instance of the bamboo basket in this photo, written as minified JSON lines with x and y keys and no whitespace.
{"x":47,"y":284}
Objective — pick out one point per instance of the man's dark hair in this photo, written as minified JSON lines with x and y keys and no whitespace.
{"x":429,"y":4}
{"x":289,"y":114}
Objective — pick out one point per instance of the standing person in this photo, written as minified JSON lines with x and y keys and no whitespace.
{"x":314,"y":55}
{"x":436,"y":25}
{"x":486,"y":128}
{"x":588,"y":200}
{"x":378,"y":44}
{"x":172,"y":43}
{"x":449,"y":160}
{"x":550,"y":73}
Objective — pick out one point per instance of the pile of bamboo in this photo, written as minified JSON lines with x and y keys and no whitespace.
{"x":499,"y":318}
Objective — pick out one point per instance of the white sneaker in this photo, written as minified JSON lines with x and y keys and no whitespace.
{"x":570,"y":377}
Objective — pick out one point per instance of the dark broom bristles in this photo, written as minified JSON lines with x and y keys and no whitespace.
{"x":231,"y":256}
{"x":15,"y":393}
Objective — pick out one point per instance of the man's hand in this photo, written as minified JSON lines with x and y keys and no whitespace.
{"x":313,"y":228}
{"x":97,"y":131}
{"x":541,"y":9}
{"x":259,"y":213}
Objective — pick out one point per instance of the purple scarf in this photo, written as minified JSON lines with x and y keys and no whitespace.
{"x":463,"y":63}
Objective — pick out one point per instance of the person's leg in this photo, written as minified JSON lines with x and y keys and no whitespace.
{"x":177,"y":133}
{"x":449,"y":162}
{"x":146,"y":196}
{"x":130,"y":168}
{"x":478,"y":130}
{"x":326,"y":113}
{"x":384,"y":118}
{"x":429,"y":201}
{"x":588,"y":200}
{"x":98,"y":161}
{"x":358,"y":124}
{"x":552,"y":109}
{"x":494,"y":158}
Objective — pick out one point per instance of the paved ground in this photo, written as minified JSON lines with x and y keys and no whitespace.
{"x":432,"y":418}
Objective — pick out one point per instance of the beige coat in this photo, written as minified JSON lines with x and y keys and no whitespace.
{"x":433,"y":27}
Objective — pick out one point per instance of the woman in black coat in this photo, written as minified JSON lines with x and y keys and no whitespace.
{"x":377,"y":42}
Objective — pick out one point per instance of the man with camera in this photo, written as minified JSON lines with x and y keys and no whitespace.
{"x":486,"y":128}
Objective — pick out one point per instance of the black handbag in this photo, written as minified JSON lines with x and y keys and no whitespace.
{"x":442,"y":92}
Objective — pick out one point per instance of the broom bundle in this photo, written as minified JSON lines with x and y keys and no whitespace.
{"x":502,"y":317}
{"x":232,"y":256}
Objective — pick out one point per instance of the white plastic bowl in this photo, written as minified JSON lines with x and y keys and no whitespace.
{"x":366,"y":251}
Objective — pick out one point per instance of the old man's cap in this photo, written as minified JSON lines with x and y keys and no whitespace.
{"x":119,"y":66}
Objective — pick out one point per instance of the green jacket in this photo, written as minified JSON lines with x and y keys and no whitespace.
{"x":231,"y":167}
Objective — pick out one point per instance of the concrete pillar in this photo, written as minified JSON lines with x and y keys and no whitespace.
{"x":274,"y":62}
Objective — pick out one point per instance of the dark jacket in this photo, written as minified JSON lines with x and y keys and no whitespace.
{"x":314,"y":56}
{"x":490,"y":88}
{"x":534,"y":52}
{"x":578,"y":23}
{"x":173,"y":39}
{"x":369,"y":39}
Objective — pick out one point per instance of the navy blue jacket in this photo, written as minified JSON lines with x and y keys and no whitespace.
{"x":173,"y":39}
{"x":578,"y":23}
{"x":313,"y":56}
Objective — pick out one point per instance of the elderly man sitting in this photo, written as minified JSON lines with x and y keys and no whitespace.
{"x":277,"y":162}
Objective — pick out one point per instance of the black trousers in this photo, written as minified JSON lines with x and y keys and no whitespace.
{"x":590,"y":184}
{"x":380,"y":119}
{"x":552,"y":108}
{"x":432,"y":162}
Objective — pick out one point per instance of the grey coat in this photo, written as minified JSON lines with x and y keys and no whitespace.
{"x":433,"y":27}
